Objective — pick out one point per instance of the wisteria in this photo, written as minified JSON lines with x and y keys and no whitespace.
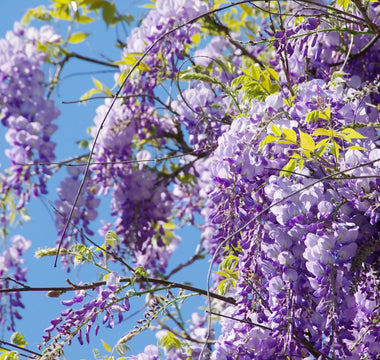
{"x":25,"y":111}
{"x":106,"y":302}
{"x":12,"y":272}
{"x":256,"y":123}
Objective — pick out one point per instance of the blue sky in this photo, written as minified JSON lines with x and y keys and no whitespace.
{"x":75,"y":119}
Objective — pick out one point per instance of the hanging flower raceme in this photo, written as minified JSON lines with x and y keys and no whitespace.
{"x":12,"y":272}
{"x":25,"y":111}
{"x":77,"y":323}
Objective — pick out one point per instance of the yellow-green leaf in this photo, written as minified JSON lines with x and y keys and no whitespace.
{"x":352,"y":134}
{"x":131,"y":61}
{"x":195,"y":39}
{"x":78,"y":37}
{"x":112,"y":238}
{"x":312,"y":116}
{"x":247,"y":9}
{"x":306,"y":153}
{"x":288,"y":168}
{"x":107,"y":91}
{"x":272,"y":73}
{"x":326,"y":113}
{"x":40,"y":13}
{"x":255,"y":72}
{"x":88,"y":94}
{"x":335,"y":149}
{"x":321,"y":150}
{"x":12,"y":217}
{"x":289,"y":142}
{"x":265,"y":82}
{"x":323,"y":142}
{"x":290,"y":134}
{"x":98,"y":84}
{"x":268,"y":139}
{"x":83,"y":19}
{"x":276,"y":130}
{"x":106,"y":346}
{"x":63,"y":15}
{"x":121,"y":77}
{"x":357,"y":148}
{"x":169,"y":226}
{"x":325,"y":132}
{"x":307,"y":142}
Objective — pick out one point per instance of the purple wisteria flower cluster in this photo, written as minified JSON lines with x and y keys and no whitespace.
{"x":315,"y":47}
{"x":12,"y":272}
{"x":141,"y":202}
{"x":79,"y":322}
{"x":28,"y":118}
{"x":84,"y":212}
{"x":25,"y":111}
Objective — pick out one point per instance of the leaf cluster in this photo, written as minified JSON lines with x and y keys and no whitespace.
{"x":311,"y":147}
{"x":257,"y":83}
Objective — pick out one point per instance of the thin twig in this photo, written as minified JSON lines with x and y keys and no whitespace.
{"x":19,"y":348}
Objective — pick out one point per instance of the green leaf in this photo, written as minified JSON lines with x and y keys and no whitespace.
{"x":199,"y":76}
{"x":307,"y":142}
{"x":112,"y":239}
{"x":108,"y":13}
{"x":235,"y":83}
{"x":18,"y":339}
{"x":127,"y":18}
{"x":78,"y":37}
{"x":39,"y":13}
{"x":140,"y":271}
{"x":320,"y":150}
{"x":169,"y":341}
{"x":121,"y":350}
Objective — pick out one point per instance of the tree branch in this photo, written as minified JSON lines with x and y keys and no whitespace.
{"x":58,"y":290}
